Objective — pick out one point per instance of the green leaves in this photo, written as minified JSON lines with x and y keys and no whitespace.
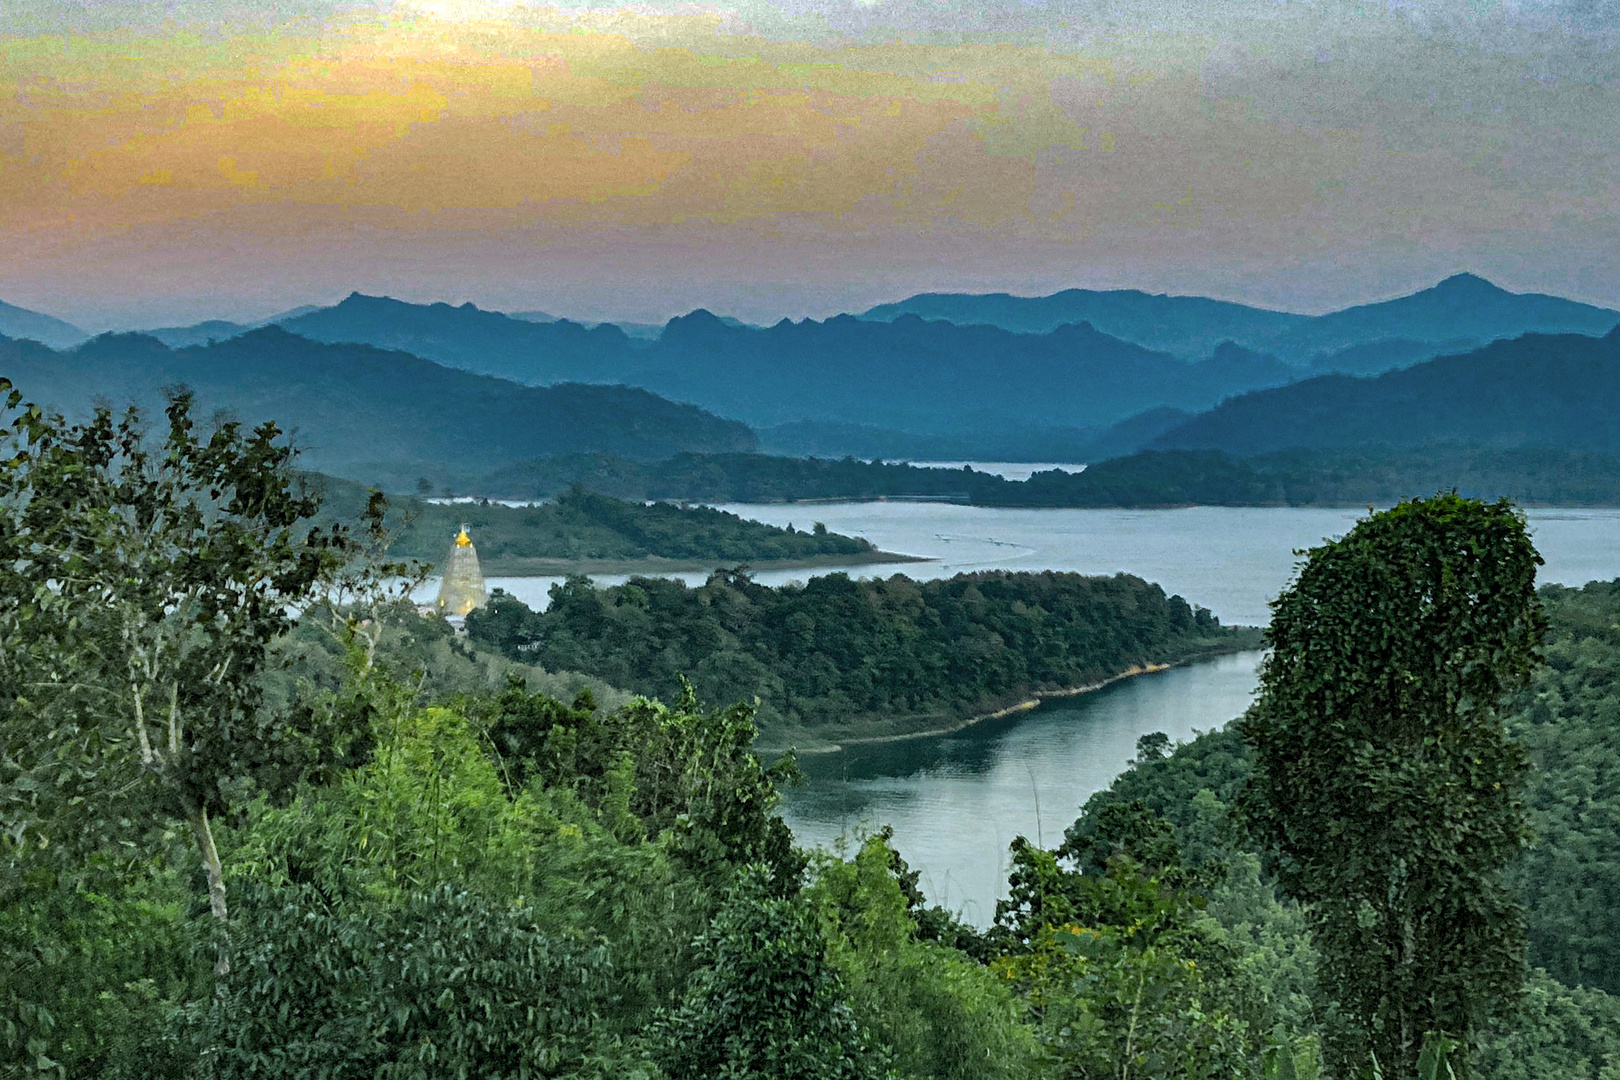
{"x":763,"y":1003}
{"x":445,"y":984}
{"x":1383,"y":779}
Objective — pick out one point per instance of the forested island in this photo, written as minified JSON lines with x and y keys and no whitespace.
{"x":586,"y":532}
{"x":1148,"y":479}
{"x":837,"y":659}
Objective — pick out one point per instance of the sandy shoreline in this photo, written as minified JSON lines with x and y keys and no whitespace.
{"x":1034,"y":701}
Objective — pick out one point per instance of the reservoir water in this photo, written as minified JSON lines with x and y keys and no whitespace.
{"x":1232,"y":560}
{"x":956,"y":801}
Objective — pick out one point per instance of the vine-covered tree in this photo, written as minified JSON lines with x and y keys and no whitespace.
{"x":1383,"y":778}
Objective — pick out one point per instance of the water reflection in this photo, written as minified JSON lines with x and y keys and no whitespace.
{"x":956,"y":801}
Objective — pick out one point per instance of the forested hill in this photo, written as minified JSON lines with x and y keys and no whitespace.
{"x":581,"y":526}
{"x":838,"y":658}
{"x":1549,"y":390}
{"x":1155,"y":478}
{"x":370,"y":414}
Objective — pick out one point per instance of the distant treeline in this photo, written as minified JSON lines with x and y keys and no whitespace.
{"x":844,"y":658}
{"x":584,"y":525}
{"x":1148,"y":479}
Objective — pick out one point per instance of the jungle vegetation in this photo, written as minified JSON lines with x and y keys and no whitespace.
{"x":240,"y":842}
{"x":838,"y":658}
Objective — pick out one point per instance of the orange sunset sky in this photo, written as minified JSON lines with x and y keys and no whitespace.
{"x":162,"y":163}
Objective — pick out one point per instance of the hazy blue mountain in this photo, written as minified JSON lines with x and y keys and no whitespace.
{"x":1463,"y":308}
{"x":179,"y":337}
{"x":16,"y":322}
{"x":636,"y":331}
{"x":1539,"y":390}
{"x":467,"y":337}
{"x":829,"y":439}
{"x":1375,"y":357}
{"x":369,"y":414}
{"x":1132,"y":433}
{"x":291,"y":313}
{"x":1461,"y":312}
{"x":932,"y":378}
{"x":1188,"y":326}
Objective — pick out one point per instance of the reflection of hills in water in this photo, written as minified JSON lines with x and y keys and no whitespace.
{"x":957,"y":801}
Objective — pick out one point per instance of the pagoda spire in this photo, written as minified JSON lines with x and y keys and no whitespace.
{"x":461,"y":588}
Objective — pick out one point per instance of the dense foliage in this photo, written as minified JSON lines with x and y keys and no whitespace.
{"x":1568,"y":1025}
{"x":841,"y":657}
{"x":443,"y":862}
{"x":1384,"y":780}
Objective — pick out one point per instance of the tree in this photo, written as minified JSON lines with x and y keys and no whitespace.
{"x":147,"y":581}
{"x":1383,"y":779}
{"x":763,"y":1002}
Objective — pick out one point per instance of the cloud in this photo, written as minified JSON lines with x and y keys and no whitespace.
{"x":1042,"y":142}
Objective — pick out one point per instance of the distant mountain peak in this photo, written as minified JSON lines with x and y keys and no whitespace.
{"x":1466,"y":282}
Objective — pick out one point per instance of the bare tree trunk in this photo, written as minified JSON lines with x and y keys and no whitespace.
{"x":216,"y":879}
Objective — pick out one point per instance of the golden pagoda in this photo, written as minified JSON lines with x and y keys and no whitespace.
{"x":462,"y":587}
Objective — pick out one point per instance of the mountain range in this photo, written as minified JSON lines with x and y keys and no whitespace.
{"x":369,"y":414}
{"x":932,"y":377}
{"x":896,"y":382}
{"x":1538,"y":390}
{"x":1461,"y":311}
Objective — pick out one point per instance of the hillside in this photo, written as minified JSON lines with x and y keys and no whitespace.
{"x":1462,"y":308}
{"x":1154,"y":478}
{"x":485,"y":342}
{"x":1538,"y":390}
{"x":369,"y":414}
{"x":16,"y":322}
{"x":932,"y":377}
{"x":837,"y":658}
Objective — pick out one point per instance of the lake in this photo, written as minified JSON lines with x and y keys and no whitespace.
{"x":956,"y":801}
{"x":1232,"y":560}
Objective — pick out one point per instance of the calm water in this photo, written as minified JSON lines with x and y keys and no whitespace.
{"x":955,"y":802}
{"x":1232,"y":560}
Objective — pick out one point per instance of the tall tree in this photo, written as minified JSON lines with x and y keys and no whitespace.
{"x":1383,"y":778}
{"x":146,"y":581}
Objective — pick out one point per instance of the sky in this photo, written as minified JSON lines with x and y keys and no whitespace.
{"x":164,"y":162}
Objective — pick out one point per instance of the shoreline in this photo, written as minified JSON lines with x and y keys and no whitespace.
{"x":652,"y":566}
{"x":1029,"y":704}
